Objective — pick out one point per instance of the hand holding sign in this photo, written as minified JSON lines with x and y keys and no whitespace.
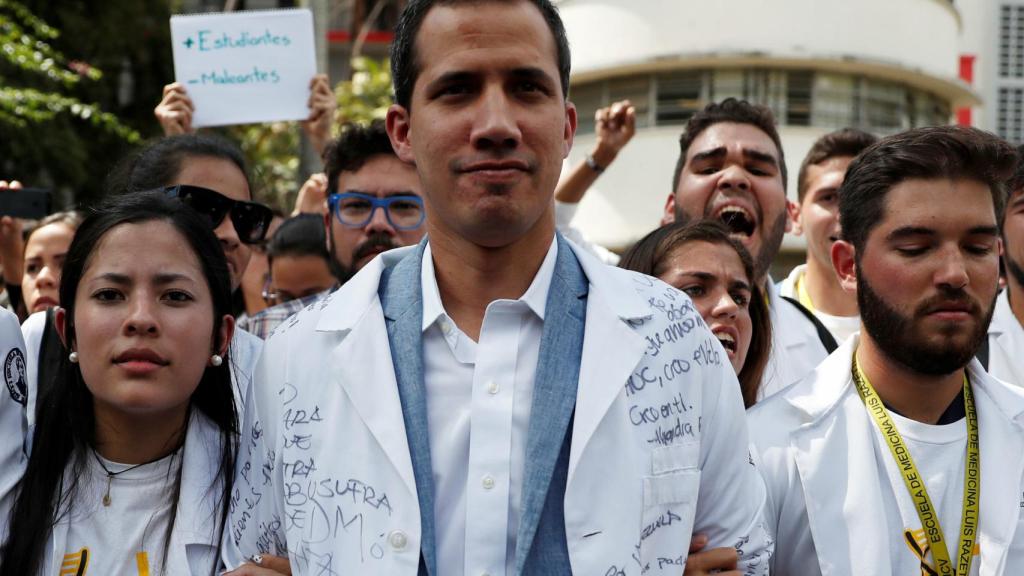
{"x":238,"y":68}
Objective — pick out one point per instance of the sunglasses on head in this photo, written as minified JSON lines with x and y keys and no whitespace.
{"x":251,"y":219}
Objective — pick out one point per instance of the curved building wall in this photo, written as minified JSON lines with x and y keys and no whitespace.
{"x":913,"y":34}
{"x":820,"y":65}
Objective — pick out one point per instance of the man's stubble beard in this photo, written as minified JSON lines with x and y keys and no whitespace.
{"x":896,"y":337}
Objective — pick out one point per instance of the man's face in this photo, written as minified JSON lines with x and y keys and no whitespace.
{"x":1013,"y":238}
{"x":818,"y":219}
{"x":732,"y":173}
{"x":928,"y":275}
{"x":488,"y":125}
{"x":381,"y":176}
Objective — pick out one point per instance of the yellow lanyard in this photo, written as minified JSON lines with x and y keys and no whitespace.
{"x":802,"y":295}
{"x":915,"y":484}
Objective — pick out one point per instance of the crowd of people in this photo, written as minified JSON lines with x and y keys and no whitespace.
{"x":427,"y":370}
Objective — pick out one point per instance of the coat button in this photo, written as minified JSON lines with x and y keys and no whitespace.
{"x":398,"y":540}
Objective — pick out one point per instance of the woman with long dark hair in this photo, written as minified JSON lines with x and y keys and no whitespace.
{"x":716,"y":271}
{"x":133,"y":449}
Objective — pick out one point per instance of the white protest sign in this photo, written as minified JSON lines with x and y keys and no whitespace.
{"x":242,"y":67}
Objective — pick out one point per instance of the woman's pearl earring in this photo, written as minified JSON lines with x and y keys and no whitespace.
{"x":73,"y":357}
{"x":216,"y":360}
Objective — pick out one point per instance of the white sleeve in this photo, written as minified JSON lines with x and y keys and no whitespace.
{"x":255,"y":523}
{"x":32,"y":330}
{"x":13,"y":423}
{"x":731,"y":503}
{"x":564,"y":213}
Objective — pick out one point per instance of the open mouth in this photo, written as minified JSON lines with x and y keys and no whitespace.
{"x":737,"y":220}
{"x":728,"y":342}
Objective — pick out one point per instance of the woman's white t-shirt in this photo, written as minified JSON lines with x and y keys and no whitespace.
{"x":129,"y":536}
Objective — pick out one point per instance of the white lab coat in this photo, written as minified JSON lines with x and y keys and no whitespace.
{"x":796,"y":346}
{"x":1006,"y":343}
{"x":816,"y":444}
{"x":325,"y":469}
{"x":13,"y":423}
{"x":243,"y":353}
{"x":193,"y":544}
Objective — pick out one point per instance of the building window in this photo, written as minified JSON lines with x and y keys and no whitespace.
{"x":795,"y":97}
{"x":1011,"y":41}
{"x":679,"y":95}
{"x":1011,"y":115}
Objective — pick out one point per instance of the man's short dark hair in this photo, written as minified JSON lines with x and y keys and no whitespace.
{"x":300,"y":235}
{"x":405,"y":67}
{"x":938,"y":152}
{"x":357,"y":144}
{"x":728,"y":110}
{"x":1016,"y":181}
{"x":845,"y":142}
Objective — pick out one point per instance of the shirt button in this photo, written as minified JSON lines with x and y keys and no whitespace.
{"x":446,"y":326}
{"x":398,"y":540}
{"x":488,"y":482}
{"x":492,"y":387}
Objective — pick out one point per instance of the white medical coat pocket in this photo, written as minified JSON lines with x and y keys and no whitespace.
{"x":670,"y":503}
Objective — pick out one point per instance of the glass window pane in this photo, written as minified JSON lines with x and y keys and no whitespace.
{"x":799,"y":88}
{"x":726,"y":84}
{"x":587,"y":98}
{"x":834,"y":102}
{"x":680,"y":95}
{"x":885,"y":107}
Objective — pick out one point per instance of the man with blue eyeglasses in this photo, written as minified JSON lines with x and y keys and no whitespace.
{"x":374,"y":204}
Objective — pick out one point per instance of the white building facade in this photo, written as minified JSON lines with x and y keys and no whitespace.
{"x":820,"y":65}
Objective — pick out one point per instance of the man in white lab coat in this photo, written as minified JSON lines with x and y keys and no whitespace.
{"x":494,"y":400}
{"x":814,"y":283}
{"x":1005,"y":354}
{"x":732,"y":168}
{"x":899,"y":454}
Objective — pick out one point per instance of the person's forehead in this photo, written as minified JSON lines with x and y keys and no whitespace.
{"x":735,"y":138}
{"x":218,"y":174}
{"x":488,"y":36}
{"x":711,"y":257}
{"x":829,"y":173}
{"x":380,"y":175}
{"x":937,"y":203}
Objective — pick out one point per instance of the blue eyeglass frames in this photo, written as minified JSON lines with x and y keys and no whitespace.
{"x":355,"y":209}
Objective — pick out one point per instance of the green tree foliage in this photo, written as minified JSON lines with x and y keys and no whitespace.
{"x":367,"y":95}
{"x":63,"y":122}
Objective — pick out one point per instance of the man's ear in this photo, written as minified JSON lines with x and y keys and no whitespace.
{"x":570,"y":127}
{"x":397,"y":123}
{"x":669,"y":216}
{"x":795,"y":227}
{"x":844,"y":262}
{"x":60,"y":319}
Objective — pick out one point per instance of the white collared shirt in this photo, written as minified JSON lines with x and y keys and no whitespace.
{"x":486,"y":388}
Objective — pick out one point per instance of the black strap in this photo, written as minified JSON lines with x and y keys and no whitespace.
{"x":827,"y":340}
{"x":982,"y":354}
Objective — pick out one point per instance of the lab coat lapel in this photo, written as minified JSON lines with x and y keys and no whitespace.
{"x":402,"y":301}
{"x":611,"y":348}
{"x":1001,"y":437}
{"x":554,"y":391}
{"x":842,"y":506}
